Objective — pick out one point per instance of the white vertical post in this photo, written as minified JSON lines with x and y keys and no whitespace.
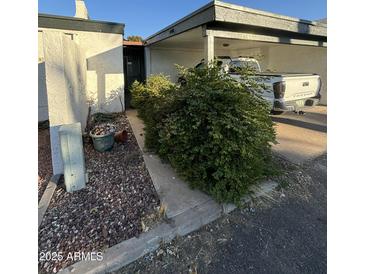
{"x":147,"y":58}
{"x":209,"y":48}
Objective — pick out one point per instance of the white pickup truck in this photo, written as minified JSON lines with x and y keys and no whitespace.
{"x":284,"y":91}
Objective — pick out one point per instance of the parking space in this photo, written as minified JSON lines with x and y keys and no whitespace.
{"x":301,"y":137}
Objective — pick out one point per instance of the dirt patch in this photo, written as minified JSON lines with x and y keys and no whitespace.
{"x":44,"y":160}
{"x":118,"y":196}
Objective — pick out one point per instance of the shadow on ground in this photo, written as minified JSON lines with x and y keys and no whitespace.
{"x":301,"y":124}
{"x":301,"y":137}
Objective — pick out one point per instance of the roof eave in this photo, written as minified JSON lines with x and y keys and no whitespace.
{"x":78,"y":24}
{"x":217,"y":11}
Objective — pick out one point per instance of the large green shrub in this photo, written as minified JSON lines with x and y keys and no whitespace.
{"x":150,"y":98}
{"x":214,"y":131}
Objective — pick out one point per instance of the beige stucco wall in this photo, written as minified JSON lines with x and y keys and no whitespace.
{"x":65,"y":75}
{"x":163,"y":60}
{"x":105,"y":75}
{"x":305,"y":59}
{"x":77,"y":70}
{"x":104,"y":78}
{"x":42,"y":90}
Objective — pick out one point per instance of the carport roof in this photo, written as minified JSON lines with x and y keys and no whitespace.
{"x":224,"y":16}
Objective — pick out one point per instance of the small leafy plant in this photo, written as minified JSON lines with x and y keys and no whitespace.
{"x":215,"y":131}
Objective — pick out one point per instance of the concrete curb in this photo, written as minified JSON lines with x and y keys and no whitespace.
{"x":260,"y":190}
{"x":130,"y":250}
{"x":47,"y":196}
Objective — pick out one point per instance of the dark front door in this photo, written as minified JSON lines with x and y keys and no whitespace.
{"x":133,"y":69}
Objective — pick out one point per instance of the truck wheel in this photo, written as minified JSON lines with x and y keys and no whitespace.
{"x":276,"y":112}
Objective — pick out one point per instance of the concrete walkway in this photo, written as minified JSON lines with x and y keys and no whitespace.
{"x":174,"y":193}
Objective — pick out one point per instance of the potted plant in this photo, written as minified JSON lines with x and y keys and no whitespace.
{"x":103,"y":136}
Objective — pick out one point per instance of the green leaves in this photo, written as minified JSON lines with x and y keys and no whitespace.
{"x":213,"y":130}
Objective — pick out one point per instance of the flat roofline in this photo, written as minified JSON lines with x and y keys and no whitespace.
{"x":198,"y":11}
{"x":266,"y":13}
{"x":79,"y":24}
{"x":218,"y":4}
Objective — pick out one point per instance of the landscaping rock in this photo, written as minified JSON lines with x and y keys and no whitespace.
{"x":109,"y":210}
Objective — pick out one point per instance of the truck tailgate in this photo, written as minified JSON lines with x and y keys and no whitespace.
{"x":301,"y":87}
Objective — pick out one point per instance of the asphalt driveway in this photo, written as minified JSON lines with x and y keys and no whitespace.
{"x":301,"y":137}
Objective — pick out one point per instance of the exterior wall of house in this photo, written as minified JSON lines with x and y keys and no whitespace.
{"x":104,"y":76}
{"x":65,"y":78}
{"x":65,"y":74}
{"x":42,"y":89}
{"x":163,"y":60}
{"x":300,"y":59}
{"x":78,"y":69}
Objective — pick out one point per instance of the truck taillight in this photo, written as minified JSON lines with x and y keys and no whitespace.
{"x":279,"y":89}
{"x":320,"y":86}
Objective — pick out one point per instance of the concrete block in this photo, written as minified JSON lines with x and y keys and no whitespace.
{"x":73,"y":156}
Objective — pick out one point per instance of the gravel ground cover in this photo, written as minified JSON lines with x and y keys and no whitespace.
{"x":115,"y":205}
{"x":44,"y":161}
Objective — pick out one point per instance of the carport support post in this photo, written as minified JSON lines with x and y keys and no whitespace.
{"x":147,"y":58}
{"x":209,"y":48}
